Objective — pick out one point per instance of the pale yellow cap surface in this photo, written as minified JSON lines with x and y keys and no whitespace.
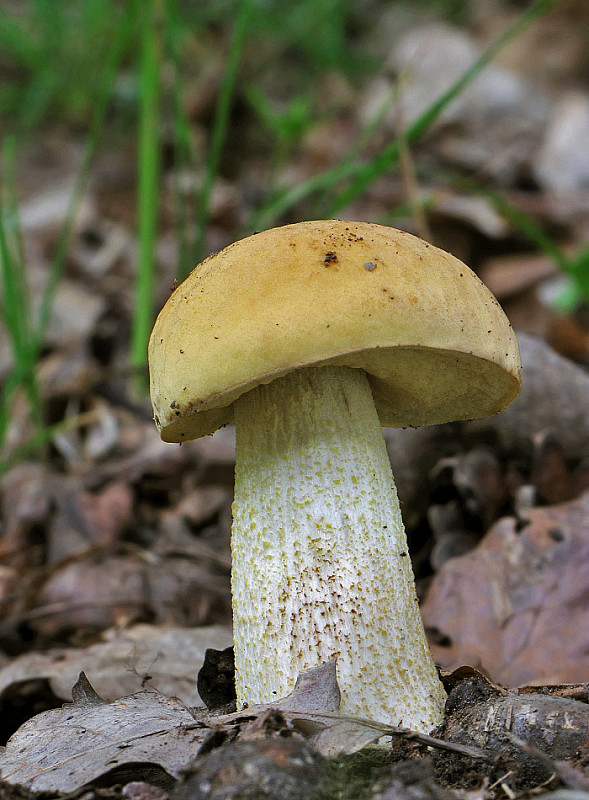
{"x":433,"y":340}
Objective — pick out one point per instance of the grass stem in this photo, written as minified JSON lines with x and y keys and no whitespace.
{"x":220,"y":124}
{"x":149,"y":171}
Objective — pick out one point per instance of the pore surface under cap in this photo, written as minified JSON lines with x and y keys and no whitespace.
{"x":433,"y":340}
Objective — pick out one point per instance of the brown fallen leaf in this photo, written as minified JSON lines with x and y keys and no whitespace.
{"x":84,"y":518}
{"x":509,"y":275}
{"x":216,"y":679}
{"x":479,"y":480}
{"x":553,"y":401}
{"x":570,"y":337}
{"x":118,"y":665}
{"x":84,"y":694}
{"x":141,"y":790}
{"x":491,"y":126}
{"x":450,"y":536}
{"x":553,"y":397}
{"x":517,"y":605}
{"x":68,"y":371}
{"x":312,"y":709}
{"x":551,"y":475}
{"x":202,"y":504}
{"x":316,"y":689}
{"x":572,"y":691}
{"x":94,"y":590}
{"x":562,"y":163}
{"x":97,"y":590}
{"x":184,"y":592}
{"x":26,"y":493}
{"x":64,"y":749}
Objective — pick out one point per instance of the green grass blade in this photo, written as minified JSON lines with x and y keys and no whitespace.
{"x":183,"y":149}
{"x":220,"y":123}
{"x":26,"y":338}
{"x":361,"y":176}
{"x":353,"y":153}
{"x":576,"y":268}
{"x":36,"y":99}
{"x":579,"y":272}
{"x":10,"y":149}
{"x":15,"y":309}
{"x":529,"y":228}
{"x":18,"y":43}
{"x":390,"y":155}
{"x":12,"y":263}
{"x":108,"y":77}
{"x":42,"y":437}
{"x":280,"y":202}
{"x":12,"y":294}
{"x":149,"y":169}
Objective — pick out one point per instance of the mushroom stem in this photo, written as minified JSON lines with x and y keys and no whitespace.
{"x":320,"y":560}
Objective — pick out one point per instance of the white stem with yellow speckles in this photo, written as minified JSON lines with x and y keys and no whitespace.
{"x":320,"y":560}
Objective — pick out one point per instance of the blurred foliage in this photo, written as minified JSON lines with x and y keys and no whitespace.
{"x":52,"y":53}
{"x":52,"y":58}
{"x":99,"y":65}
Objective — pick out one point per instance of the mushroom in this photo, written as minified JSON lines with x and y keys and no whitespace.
{"x":310,"y":337}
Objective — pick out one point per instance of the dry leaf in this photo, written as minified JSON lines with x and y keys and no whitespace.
{"x":517,"y":605}
{"x":510,"y":275}
{"x":118,"y":665}
{"x":316,"y":689}
{"x":66,"y":748}
{"x":553,"y":397}
{"x":492,"y":124}
{"x":83,"y":518}
{"x":311,"y":709}
{"x":26,"y":496}
{"x":562,"y":163}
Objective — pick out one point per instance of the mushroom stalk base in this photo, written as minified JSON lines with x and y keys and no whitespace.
{"x":320,"y":560}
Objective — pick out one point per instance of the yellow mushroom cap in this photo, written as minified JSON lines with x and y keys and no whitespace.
{"x":433,"y":340}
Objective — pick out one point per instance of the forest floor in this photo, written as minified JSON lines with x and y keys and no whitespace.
{"x":115,"y":546}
